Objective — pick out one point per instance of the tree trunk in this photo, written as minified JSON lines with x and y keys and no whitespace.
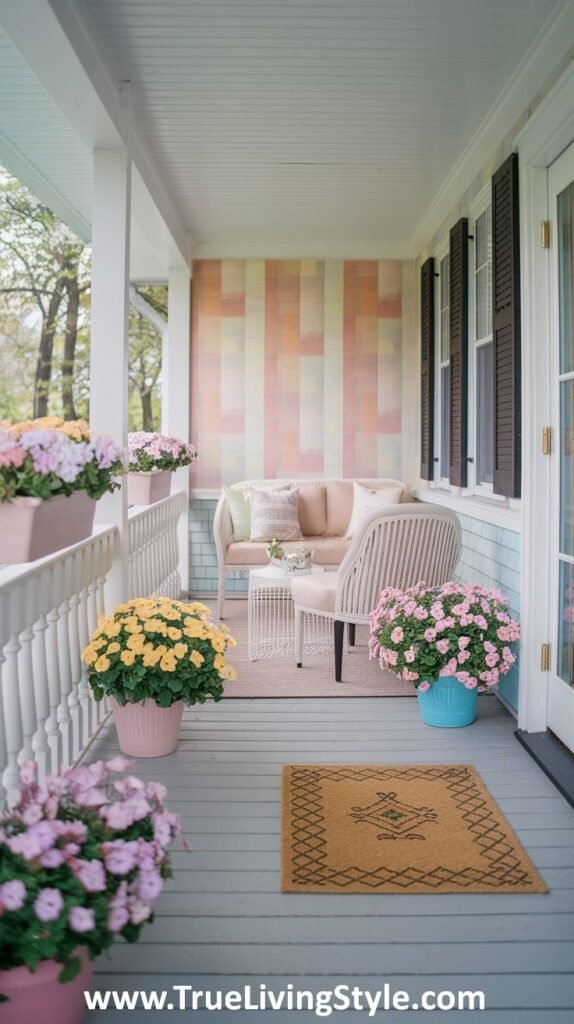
{"x":147,"y":411}
{"x":43,"y":374}
{"x":70,"y":338}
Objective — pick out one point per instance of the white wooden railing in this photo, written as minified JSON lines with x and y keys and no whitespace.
{"x":48,"y":609}
{"x":47,"y":612}
{"x":154,"y":549}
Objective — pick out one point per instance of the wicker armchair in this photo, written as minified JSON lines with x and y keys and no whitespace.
{"x":397,"y":546}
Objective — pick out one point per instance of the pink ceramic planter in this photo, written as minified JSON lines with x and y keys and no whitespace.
{"x":39,"y":996}
{"x":147,"y":488}
{"x":32,"y":528}
{"x":146,"y":730}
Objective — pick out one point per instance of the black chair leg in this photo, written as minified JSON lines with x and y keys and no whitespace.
{"x":339,"y":628}
{"x":351,"y":634}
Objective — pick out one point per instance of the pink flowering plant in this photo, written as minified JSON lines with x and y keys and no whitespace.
{"x":158,"y":451}
{"x":461,"y":630}
{"x":49,"y":456}
{"x":83,"y":857}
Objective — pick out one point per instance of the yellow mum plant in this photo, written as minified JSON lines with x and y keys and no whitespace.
{"x":160,"y":649}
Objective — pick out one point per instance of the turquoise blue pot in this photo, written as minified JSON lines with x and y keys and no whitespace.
{"x":448,"y":704}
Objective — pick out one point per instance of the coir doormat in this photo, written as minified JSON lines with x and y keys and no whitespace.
{"x":397,"y":828}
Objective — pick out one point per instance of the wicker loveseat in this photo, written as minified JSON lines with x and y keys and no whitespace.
{"x":324,"y":509}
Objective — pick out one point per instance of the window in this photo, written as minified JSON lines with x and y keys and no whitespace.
{"x":444,"y":369}
{"x":483,"y":353}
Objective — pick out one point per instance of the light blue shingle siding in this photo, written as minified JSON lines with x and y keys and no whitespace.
{"x":491,"y":556}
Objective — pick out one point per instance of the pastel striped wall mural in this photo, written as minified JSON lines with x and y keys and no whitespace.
{"x":296,"y":368}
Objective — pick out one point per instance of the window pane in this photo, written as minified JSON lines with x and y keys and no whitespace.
{"x":480,"y":232}
{"x":567,"y":467}
{"x":444,"y":421}
{"x":482,"y":319}
{"x":485,"y":414}
{"x":483,"y":275}
{"x":565,"y":245}
{"x":566,"y":623}
{"x":444,"y":300}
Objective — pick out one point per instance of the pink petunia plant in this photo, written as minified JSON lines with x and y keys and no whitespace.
{"x":148,"y":452}
{"x":83,"y":858}
{"x":458,"y":629}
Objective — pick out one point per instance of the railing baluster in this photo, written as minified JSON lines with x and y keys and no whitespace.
{"x":83,"y":688}
{"x":75,"y":662}
{"x":27,"y":696}
{"x":53,"y":660}
{"x":12,"y":717}
{"x":64,"y":716}
{"x":40,"y":744}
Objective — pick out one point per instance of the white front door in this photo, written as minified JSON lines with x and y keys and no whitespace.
{"x":561,"y":210}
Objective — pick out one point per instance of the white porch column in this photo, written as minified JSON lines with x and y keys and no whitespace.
{"x":175,"y":392}
{"x":109,"y":335}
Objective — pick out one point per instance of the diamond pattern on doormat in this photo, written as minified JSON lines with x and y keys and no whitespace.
{"x":397,"y":828}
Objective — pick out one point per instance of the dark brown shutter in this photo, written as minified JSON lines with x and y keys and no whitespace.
{"x":458,"y":323}
{"x":427,"y":369}
{"x":506,"y":328}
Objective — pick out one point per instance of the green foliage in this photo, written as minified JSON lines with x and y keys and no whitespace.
{"x":158,"y":649}
{"x":40,"y":262}
{"x":461,"y":630}
{"x":55,"y":846}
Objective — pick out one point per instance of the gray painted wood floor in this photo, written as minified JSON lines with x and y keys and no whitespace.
{"x":222,"y":921}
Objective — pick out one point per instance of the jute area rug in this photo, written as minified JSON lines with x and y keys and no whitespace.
{"x":280,"y":677}
{"x":397,"y":828}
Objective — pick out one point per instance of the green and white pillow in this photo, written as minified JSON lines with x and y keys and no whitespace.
{"x":240,"y":510}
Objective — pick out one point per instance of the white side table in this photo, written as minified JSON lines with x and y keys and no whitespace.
{"x":271,"y":617}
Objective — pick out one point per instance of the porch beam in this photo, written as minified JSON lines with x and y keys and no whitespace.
{"x":109,"y":335}
{"x":175,"y":392}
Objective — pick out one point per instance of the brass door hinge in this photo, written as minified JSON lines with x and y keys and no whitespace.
{"x":545,"y":234}
{"x":545,"y":657}
{"x":546,"y":440}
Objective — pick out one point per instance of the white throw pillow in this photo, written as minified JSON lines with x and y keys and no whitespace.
{"x":274,"y":514}
{"x":366,"y":500}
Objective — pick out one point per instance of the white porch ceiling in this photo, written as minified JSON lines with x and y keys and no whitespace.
{"x":312,"y":124}
{"x":271,"y":127}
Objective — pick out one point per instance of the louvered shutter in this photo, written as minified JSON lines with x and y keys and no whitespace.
{"x":506,"y":328}
{"x":458,"y":323}
{"x":427,"y":369}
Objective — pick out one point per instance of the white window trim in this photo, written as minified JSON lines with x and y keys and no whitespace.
{"x":483,"y":490}
{"x":438,"y":481}
{"x":486,"y":510}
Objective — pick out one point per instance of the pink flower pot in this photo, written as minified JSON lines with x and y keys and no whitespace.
{"x":146,"y":730}
{"x":147,"y":488}
{"x":32,"y":528}
{"x":39,"y":996}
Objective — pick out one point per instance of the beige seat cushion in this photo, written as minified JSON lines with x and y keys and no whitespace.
{"x":316,"y":591}
{"x":312,"y":510}
{"x":326,"y":551}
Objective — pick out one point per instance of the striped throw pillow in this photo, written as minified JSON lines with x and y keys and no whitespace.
{"x":274,"y":514}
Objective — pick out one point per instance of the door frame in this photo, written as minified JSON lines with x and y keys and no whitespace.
{"x":547,"y":133}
